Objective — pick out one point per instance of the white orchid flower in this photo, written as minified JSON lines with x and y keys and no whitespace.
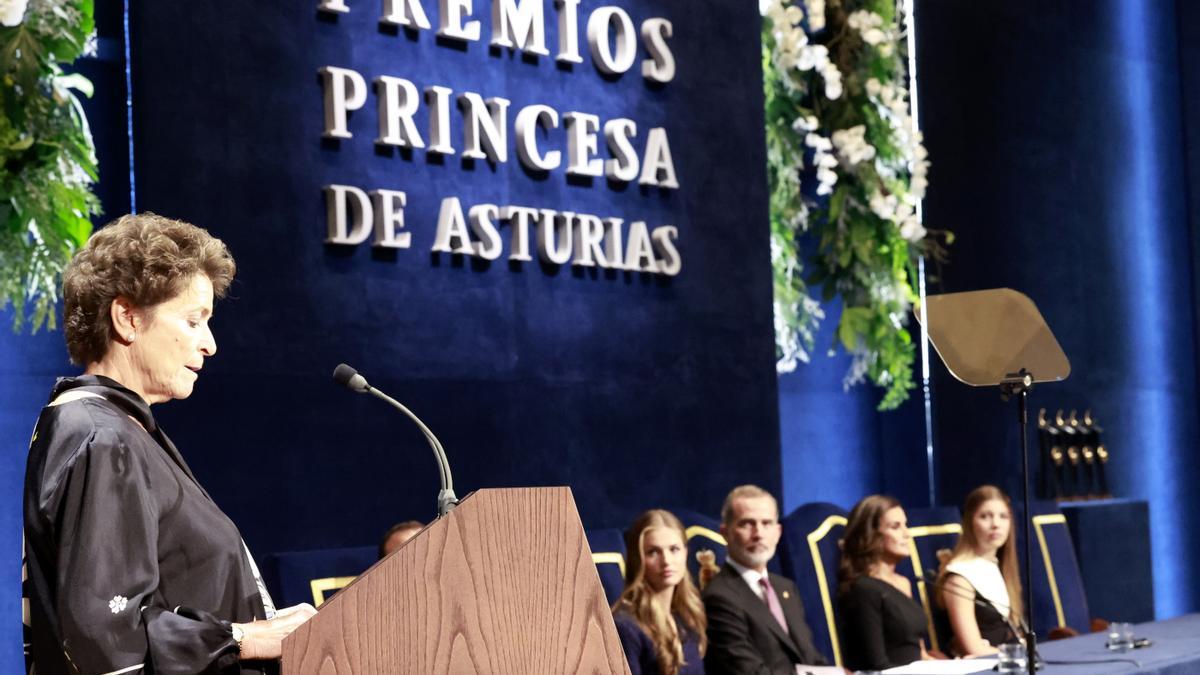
{"x":833,"y":80}
{"x":873,"y":36}
{"x":884,"y":207}
{"x":818,"y":142}
{"x":825,"y":161}
{"x":912,"y":230}
{"x":816,"y":14}
{"x":852,"y":145}
{"x":826,"y":178}
{"x":805,"y":123}
{"x":813,"y":56}
{"x":12,"y":12}
{"x":792,"y":41}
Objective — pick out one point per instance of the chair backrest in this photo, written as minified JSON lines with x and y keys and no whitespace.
{"x":313,"y":576}
{"x":809,"y":555}
{"x":1059,"y":598}
{"x":608,"y":552}
{"x":703,"y":534}
{"x":931,"y":530}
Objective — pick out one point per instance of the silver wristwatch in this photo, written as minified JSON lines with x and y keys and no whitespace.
{"x":238,"y":635}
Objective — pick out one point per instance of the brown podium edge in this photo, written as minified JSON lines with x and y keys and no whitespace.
{"x":504,"y":583}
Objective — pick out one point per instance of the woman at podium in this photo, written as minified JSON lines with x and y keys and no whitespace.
{"x":659,"y":616}
{"x":979,"y":583}
{"x":130,"y":565}
{"x":882,"y":626}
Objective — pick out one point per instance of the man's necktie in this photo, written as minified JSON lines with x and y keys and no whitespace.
{"x":772,"y":601}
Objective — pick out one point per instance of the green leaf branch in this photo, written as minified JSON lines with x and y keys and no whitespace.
{"x":47,"y":157}
{"x":846,"y":171}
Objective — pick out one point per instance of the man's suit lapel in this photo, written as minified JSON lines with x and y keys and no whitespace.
{"x":792,"y":611}
{"x":759,"y":610}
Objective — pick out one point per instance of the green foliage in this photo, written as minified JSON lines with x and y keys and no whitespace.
{"x":847,"y":172}
{"x":47,"y":159}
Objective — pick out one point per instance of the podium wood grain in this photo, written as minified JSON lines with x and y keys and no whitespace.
{"x":503,"y":584}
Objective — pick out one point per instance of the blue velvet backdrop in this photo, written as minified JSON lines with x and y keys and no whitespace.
{"x":836,"y":446}
{"x":1066,"y":148}
{"x":530,"y":376}
{"x":1059,"y":137}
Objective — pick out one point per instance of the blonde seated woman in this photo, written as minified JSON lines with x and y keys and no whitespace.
{"x":979,"y":582}
{"x":659,"y":616}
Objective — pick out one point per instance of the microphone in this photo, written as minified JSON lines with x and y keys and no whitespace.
{"x":349,"y":378}
{"x":930,"y":577}
{"x":1022,"y":633}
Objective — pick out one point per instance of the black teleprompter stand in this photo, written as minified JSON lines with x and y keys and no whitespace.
{"x":998,"y":338}
{"x":1018,"y":385}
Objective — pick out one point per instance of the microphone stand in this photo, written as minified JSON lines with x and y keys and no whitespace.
{"x":982,"y":337}
{"x":1019,"y":632}
{"x":446,"y":497}
{"x":1018,"y":384}
{"x":349,"y":378}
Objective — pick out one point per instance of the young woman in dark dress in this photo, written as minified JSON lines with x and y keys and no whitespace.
{"x":659,"y":616}
{"x":979,"y":582}
{"x":881,"y":625}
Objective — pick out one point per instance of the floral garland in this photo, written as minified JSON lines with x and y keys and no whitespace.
{"x":47,"y":158}
{"x":834,"y":75}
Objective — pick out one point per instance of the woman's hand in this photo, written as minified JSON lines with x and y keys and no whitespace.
{"x":264,"y":639}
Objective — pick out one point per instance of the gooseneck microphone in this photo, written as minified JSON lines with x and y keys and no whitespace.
{"x":349,"y":378}
{"x":939,"y":585}
{"x":931,"y":577}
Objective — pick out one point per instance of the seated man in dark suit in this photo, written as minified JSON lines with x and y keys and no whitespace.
{"x":755,"y":618}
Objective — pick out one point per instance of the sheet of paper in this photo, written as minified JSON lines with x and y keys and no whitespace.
{"x":949,"y":667}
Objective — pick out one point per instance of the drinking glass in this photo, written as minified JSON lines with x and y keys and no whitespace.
{"x":1120,"y":636}
{"x":1012,"y":658}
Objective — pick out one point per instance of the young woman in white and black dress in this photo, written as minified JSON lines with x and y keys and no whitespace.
{"x":659,"y":616}
{"x":979,"y":582}
{"x":881,"y":625}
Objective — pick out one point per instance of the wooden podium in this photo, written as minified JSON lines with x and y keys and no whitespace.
{"x":504,"y":583}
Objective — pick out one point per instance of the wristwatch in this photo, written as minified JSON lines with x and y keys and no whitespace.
{"x":238,"y":635}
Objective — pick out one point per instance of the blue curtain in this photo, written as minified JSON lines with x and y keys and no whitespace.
{"x":1059,"y":140}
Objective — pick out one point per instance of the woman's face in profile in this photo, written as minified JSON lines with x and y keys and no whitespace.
{"x":664,"y":558}
{"x":992,"y":522}
{"x":171,"y":342}
{"x":893,"y":528}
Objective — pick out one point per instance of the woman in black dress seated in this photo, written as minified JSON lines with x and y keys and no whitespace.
{"x":131,"y":567}
{"x":980,"y":586}
{"x":659,"y":616}
{"x":881,"y":625}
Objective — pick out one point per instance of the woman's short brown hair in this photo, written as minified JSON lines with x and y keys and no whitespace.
{"x":145,"y":258}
